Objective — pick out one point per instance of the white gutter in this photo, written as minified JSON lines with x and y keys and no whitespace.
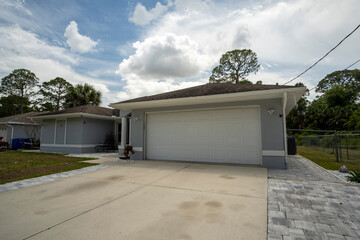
{"x":284,"y":120}
{"x":68,"y":115}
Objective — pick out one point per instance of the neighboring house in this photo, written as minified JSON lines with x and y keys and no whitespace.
{"x":218,"y":122}
{"x":19,"y":126}
{"x":82,"y":129}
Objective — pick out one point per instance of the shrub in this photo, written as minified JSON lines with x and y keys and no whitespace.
{"x":354,"y":176}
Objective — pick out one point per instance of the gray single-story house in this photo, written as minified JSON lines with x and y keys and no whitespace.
{"x":217,"y":122}
{"x":81,"y":129}
{"x":19,"y":126}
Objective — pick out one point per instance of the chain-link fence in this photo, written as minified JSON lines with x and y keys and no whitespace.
{"x":343,"y":146}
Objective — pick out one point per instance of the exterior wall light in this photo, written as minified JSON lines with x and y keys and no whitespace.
{"x":136,"y":118}
{"x":271,"y":111}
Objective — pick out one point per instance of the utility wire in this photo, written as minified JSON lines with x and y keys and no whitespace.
{"x":323,"y":56}
{"x":352,"y":64}
{"x":344,"y":69}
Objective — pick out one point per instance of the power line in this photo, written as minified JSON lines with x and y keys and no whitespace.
{"x":352,"y":64}
{"x":344,"y":69}
{"x":323,"y":56}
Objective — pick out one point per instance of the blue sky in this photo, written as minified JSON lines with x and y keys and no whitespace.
{"x":129,"y":49}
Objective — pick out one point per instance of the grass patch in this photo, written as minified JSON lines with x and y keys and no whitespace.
{"x":18,"y":165}
{"x":325,"y":159}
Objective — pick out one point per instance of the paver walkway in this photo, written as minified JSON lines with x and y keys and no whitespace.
{"x":307,"y":202}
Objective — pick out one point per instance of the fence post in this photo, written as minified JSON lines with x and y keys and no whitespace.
{"x":336,"y":147}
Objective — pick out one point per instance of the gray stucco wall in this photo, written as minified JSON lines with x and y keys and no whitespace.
{"x":47,"y":131}
{"x":88,"y":132}
{"x":271,"y":127}
{"x":96,"y":130}
{"x":74,"y":131}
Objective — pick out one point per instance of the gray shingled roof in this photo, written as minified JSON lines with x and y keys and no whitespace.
{"x":89,"y":109}
{"x":20,"y":118}
{"x":207,"y":89}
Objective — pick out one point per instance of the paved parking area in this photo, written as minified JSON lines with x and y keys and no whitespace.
{"x":307,"y":202}
{"x":142,"y":200}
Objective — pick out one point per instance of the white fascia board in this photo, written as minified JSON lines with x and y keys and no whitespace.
{"x":217,"y":98}
{"x":19,"y":123}
{"x":73,"y":115}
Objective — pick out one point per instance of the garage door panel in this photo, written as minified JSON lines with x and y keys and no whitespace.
{"x":227,"y":135}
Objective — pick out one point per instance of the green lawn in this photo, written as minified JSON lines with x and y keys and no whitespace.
{"x":325,"y":159}
{"x":18,"y":165}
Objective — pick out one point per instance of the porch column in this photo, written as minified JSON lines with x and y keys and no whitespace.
{"x":123,"y":131}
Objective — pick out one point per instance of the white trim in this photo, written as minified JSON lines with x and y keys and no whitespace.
{"x":70,"y":145}
{"x":65,"y":130}
{"x":70,"y":115}
{"x":55,"y":131}
{"x":138,"y":149}
{"x":120,"y":147}
{"x":205,"y":109}
{"x":217,"y":98}
{"x":273,"y":153}
{"x":284,"y":123}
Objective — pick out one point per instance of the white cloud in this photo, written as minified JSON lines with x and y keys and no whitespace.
{"x":78,"y":42}
{"x":288,"y":36}
{"x":142,"y":17}
{"x":46,"y":61}
{"x":164,"y":57}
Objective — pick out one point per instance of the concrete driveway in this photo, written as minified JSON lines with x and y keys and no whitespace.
{"x":142,"y":200}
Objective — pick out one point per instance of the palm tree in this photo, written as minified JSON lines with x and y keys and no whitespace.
{"x":82,"y":95}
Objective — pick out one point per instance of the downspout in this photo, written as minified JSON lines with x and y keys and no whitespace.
{"x":284,"y":120}
{"x":12,"y":133}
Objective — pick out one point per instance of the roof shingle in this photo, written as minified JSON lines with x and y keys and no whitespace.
{"x":89,"y":109}
{"x":207,"y":89}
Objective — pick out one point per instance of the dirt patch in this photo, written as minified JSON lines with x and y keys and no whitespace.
{"x":214,"y":204}
{"x":188,"y":205}
{"x":77,"y":188}
{"x":115,"y":178}
{"x":227,"y":177}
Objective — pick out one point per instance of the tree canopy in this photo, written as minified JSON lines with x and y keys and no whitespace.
{"x":54,"y":92}
{"x":20,"y":83}
{"x":235,"y":66}
{"x":337,"y":108}
{"x":82,"y":95}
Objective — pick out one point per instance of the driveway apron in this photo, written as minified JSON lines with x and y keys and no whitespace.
{"x":142,"y":200}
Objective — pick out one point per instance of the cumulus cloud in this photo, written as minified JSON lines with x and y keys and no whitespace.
{"x":142,"y":17}
{"x":45,"y":60}
{"x":164,"y":57}
{"x":76,"y":41}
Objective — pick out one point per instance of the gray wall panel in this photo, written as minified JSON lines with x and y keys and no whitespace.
{"x":74,"y":131}
{"x":274,"y":162}
{"x":96,"y":130}
{"x":47,"y":131}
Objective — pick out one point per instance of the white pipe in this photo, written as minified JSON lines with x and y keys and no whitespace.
{"x":284,"y":120}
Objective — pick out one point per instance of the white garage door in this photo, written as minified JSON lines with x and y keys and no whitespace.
{"x":225,"y":136}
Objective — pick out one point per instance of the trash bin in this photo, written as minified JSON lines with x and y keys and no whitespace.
{"x":20,"y":143}
{"x":291,"y":145}
{"x":16,"y":143}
